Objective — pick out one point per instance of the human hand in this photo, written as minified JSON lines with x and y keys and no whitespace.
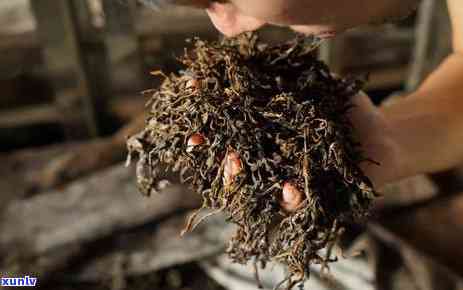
{"x":375,"y":134}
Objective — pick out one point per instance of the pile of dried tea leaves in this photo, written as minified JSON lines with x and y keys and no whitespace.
{"x":261,"y":132}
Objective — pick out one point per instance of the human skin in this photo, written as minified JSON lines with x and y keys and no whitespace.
{"x":425,"y":129}
{"x":423,"y":133}
{"x":323,"y":18}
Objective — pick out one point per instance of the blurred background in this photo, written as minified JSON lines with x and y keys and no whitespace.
{"x":72,"y":73}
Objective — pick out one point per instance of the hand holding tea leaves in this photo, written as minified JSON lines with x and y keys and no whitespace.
{"x":417,"y":135}
{"x":263,"y":134}
{"x":374,"y":132}
{"x":420,"y":133}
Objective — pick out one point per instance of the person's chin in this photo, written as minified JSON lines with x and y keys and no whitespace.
{"x":231,"y":22}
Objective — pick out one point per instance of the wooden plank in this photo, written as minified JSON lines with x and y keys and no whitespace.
{"x":59,"y":34}
{"x":40,"y":114}
{"x":124,"y":108}
{"x":42,"y":233}
{"x":122,"y":44}
{"x":422,"y":42}
{"x":127,"y":108}
{"x":151,"y":249}
{"x":172,"y":20}
{"x":433,"y":41}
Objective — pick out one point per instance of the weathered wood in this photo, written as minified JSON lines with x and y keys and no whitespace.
{"x":422,"y":43}
{"x":400,"y":265}
{"x":154,"y":248}
{"x":61,"y":38}
{"x":29,"y":115}
{"x":141,"y":250}
{"x":436,"y":229}
{"x":18,"y":169}
{"x":432,"y":41}
{"x":41,"y":233}
{"x":171,"y":21}
{"x":127,"y":108}
{"x":124,"y":108}
{"x":381,"y":52}
{"x":15,"y":17}
{"x":122,"y":44}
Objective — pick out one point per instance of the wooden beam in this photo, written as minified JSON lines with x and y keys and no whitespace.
{"x":60,"y":34}
{"x":122,"y":44}
{"x":29,"y":115}
{"x":433,"y":41}
{"x":422,"y":42}
{"x":85,"y":211}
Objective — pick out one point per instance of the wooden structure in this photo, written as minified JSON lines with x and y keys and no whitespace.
{"x":66,"y":40}
{"x":424,"y":46}
{"x":433,"y":42}
{"x":383,"y":53}
{"x":78,"y":56}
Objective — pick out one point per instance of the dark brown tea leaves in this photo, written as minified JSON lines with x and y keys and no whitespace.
{"x":261,"y":132}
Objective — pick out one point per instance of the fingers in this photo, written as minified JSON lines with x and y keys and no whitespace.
{"x":365,"y":117}
{"x":374,"y":133}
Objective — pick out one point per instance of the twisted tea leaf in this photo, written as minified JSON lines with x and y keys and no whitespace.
{"x":260,"y":116}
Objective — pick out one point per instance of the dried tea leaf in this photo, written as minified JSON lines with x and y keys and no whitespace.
{"x":261,"y":132}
